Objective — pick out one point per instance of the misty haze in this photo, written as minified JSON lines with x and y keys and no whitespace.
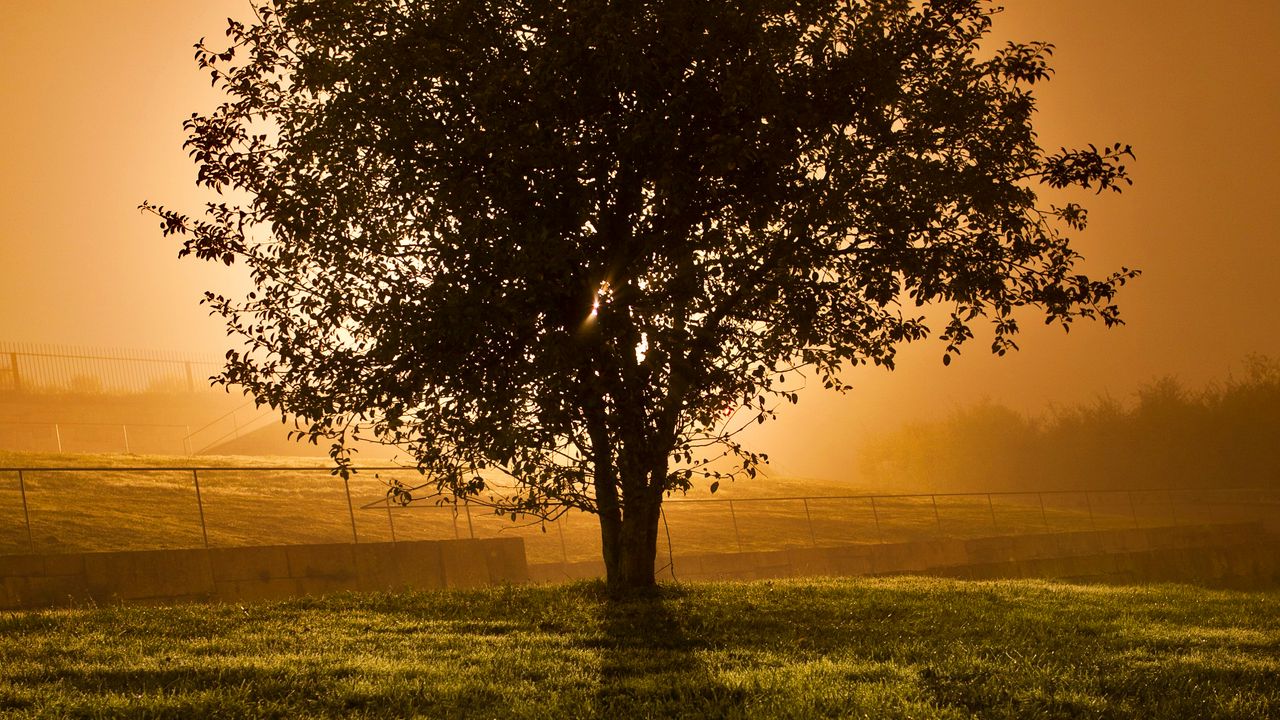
{"x":593,"y":359}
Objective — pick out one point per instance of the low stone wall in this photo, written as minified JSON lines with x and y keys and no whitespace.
{"x":1240,"y":555}
{"x":256,"y":573}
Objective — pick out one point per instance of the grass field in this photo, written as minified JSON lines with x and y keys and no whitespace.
{"x":131,"y":510}
{"x":883,"y":648}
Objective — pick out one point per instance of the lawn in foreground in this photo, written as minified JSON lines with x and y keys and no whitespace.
{"x":880,"y":648}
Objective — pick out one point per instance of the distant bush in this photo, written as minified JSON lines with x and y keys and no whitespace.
{"x":1227,"y":434}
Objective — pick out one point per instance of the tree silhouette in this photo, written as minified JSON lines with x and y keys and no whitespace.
{"x":576,"y":245}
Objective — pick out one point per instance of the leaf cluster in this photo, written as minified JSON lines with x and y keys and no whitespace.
{"x":569,"y":243}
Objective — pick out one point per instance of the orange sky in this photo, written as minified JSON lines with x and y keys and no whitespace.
{"x":94,"y":94}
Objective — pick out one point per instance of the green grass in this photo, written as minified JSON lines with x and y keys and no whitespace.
{"x":96,"y":511}
{"x":876,"y":648}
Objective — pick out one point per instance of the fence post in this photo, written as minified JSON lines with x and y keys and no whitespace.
{"x":876,"y":516}
{"x":125,"y":429}
{"x":734,"y":517}
{"x":564,"y":550}
{"x":991,"y":506}
{"x":1092,"y":523}
{"x":204,"y":529}
{"x":26,"y":515}
{"x":57,"y":433}
{"x":812,"y":538}
{"x":671,"y":553}
{"x":392,"y":523}
{"x":471,"y":529}
{"x":346,"y":485}
{"x":191,"y":381}
{"x":17,"y":377}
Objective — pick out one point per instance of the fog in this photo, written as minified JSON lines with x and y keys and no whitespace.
{"x":95,"y":94}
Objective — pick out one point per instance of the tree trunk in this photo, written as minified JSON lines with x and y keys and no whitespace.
{"x":631,"y":544}
{"x":630,"y":565}
{"x":611,"y":541}
{"x":630,"y":478}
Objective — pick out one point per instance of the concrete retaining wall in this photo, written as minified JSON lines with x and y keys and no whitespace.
{"x":1235,"y":555}
{"x":256,"y":573}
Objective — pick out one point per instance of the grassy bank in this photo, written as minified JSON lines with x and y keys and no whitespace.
{"x":816,"y":648}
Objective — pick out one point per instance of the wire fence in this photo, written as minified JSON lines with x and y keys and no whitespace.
{"x":52,"y":510}
{"x":32,"y":368}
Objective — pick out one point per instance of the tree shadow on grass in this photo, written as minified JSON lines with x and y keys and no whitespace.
{"x":651,"y":667}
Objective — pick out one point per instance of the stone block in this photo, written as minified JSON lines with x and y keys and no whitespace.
{"x":984,"y":551}
{"x":1243,"y":561}
{"x":686,"y":566}
{"x":147,"y":574}
{"x":1041,"y":545}
{"x":13,"y":591}
{"x":993,"y":571}
{"x":917,"y":557}
{"x":335,"y":561}
{"x":377,"y":569}
{"x":64,"y":564}
{"x":896,"y":558}
{"x":420,"y":564}
{"x":810,"y":562}
{"x":851,"y":562}
{"x":946,"y":552}
{"x":56,"y":591}
{"x":1088,"y":567}
{"x":247,"y":591}
{"x":952,"y":571}
{"x":548,"y":573}
{"x":759,"y":565}
{"x":109,"y":575}
{"x":1037,"y":567}
{"x":1127,"y":563}
{"x":249,"y":563}
{"x":1172,"y":564}
{"x":465,"y":563}
{"x":727,"y":566}
{"x":1176,"y":537}
{"x":1082,"y":543}
{"x":506,"y":560}
{"x":586,"y":569}
{"x":558,"y":572}
{"x":21,"y":565}
{"x":1131,"y":540}
{"x":325,"y":584}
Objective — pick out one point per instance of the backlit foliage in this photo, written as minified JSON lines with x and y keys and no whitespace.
{"x":583,"y":242}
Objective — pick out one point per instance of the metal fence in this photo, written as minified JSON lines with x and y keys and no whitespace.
{"x":33,"y":368}
{"x":49,"y":510}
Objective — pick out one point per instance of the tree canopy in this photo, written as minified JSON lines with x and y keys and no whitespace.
{"x":578,"y":243}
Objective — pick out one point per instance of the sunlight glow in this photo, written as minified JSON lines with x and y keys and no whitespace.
{"x":602,"y":295}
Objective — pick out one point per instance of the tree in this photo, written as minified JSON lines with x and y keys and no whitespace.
{"x":577,"y":244}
